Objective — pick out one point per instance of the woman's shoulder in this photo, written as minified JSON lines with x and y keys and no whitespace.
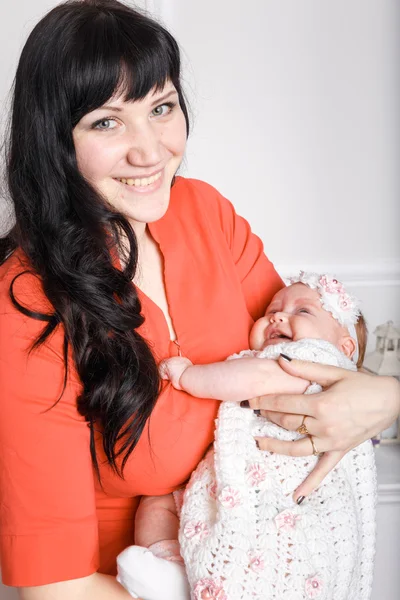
{"x":191,"y":185}
{"x":19,"y":280}
{"x":194,"y":197}
{"x":195,"y":192}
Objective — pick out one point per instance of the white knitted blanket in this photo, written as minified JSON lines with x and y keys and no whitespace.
{"x":244,"y":538}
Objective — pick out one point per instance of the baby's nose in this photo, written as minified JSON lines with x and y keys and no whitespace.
{"x":278,"y":317}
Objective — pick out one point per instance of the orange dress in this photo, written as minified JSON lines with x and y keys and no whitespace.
{"x":56,"y":522}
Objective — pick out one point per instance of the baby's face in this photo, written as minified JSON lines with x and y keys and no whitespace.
{"x":295,"y":313}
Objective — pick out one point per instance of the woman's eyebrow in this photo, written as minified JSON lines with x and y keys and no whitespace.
{"x":155,"y":103}
{"x":109,"y":107}
{"x":163,"y":98}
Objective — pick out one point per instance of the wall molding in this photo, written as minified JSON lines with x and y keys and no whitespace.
{"x":384,"y":273}
{"x":389,"y":493}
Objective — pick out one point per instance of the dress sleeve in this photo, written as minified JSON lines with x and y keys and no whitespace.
{"x":257,"y":274}
{"x":48,"y":524}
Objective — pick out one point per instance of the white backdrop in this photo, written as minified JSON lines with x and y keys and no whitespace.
{"x":295,"y":119}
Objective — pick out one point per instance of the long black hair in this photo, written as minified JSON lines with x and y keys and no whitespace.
{"x":75,"y":59}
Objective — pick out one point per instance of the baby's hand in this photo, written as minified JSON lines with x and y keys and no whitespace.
{"x":173,"y":368}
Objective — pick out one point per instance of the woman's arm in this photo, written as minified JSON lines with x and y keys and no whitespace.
{"x":231,"y":380}
{"x":47,"y":491}
{"x":353,"y":407}
{"x":98,"y":586}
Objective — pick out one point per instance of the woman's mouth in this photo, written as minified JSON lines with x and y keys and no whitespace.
{"x":143,"y":182}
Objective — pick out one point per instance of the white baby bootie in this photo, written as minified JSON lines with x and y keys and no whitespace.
{"x":145,"y":575}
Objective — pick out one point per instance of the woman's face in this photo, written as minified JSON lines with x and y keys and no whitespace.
{"x":130,"y":151}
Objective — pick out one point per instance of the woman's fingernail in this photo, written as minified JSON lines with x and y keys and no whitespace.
{"x":285,"y":357}
{"x":300,"y":499}
{"x":258,"y":444}
{"x":245,"y":404}
{"x":257,"y":412}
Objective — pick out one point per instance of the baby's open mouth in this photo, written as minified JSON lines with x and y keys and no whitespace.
{"x":276,"y":336}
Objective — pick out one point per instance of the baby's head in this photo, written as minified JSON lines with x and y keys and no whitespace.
{"x":313,"y":306}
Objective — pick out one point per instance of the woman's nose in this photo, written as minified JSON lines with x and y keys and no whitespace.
{"x":145,"y":148}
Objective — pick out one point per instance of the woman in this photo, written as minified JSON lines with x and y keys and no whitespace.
{"x":114,"y":265}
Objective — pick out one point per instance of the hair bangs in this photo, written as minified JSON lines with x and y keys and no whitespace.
{"x":117,"y":56}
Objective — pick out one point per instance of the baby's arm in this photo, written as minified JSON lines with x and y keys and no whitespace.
{"x":153,"y":567}
{"x":156,"y":520}
{"x":231,"y":380}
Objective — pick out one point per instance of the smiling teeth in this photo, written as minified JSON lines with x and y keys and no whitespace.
{"x":141,"y":182}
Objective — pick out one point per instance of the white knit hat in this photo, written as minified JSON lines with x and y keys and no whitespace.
{"x":244,"y":538}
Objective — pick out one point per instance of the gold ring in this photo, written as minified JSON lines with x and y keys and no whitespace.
{"x":303,"y":429}
{"x":314,"y":447}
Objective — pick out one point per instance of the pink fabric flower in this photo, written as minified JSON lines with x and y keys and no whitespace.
{"x":256,"y":474}
{"x":256,"y":562}
{"x":286,"y":520}
{"x":345,"y":302}
{"x":196,"y":529}
{"x":229,"y":497}
{"x":212,"y":489}
{"x":314,"y":587}
{"x":209,"y":589}
{"x":331,"y":285}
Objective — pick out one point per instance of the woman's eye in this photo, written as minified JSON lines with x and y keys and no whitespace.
{"x":163,"y":109}
{"x":105,"y":124}
{"x":304,"y":310}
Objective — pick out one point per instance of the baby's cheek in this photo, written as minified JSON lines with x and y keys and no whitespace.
{"x":258,"y":333}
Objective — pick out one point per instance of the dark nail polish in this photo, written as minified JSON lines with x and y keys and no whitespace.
{"x":285,"y":357}
{"x":245,"y":404}
{"x":257,"y":412}
{"x":300,"y":499}
{"x":257,"y":444}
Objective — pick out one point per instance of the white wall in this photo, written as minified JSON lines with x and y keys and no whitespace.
{"x":296,"y":120}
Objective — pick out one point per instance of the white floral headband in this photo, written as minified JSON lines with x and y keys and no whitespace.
{"x":334,"y":298}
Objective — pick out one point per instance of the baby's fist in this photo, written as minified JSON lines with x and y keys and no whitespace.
{"x":173,"y":368}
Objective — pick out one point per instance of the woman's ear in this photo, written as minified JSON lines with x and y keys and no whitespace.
{"x":347,"y":345}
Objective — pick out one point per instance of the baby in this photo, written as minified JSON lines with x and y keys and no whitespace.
{"x":241,"y":534}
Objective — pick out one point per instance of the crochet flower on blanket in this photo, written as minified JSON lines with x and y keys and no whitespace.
{"x":256,"y":562}
{"x":314,"y":587}
{"x":286,"y":520}
{"x":209,"y":589}
{"x":197,"y":529}
{"x":229,"y":497}
{"x":256,"y":474}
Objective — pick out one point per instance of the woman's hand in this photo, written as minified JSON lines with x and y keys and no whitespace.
{"x":353,"y":407}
